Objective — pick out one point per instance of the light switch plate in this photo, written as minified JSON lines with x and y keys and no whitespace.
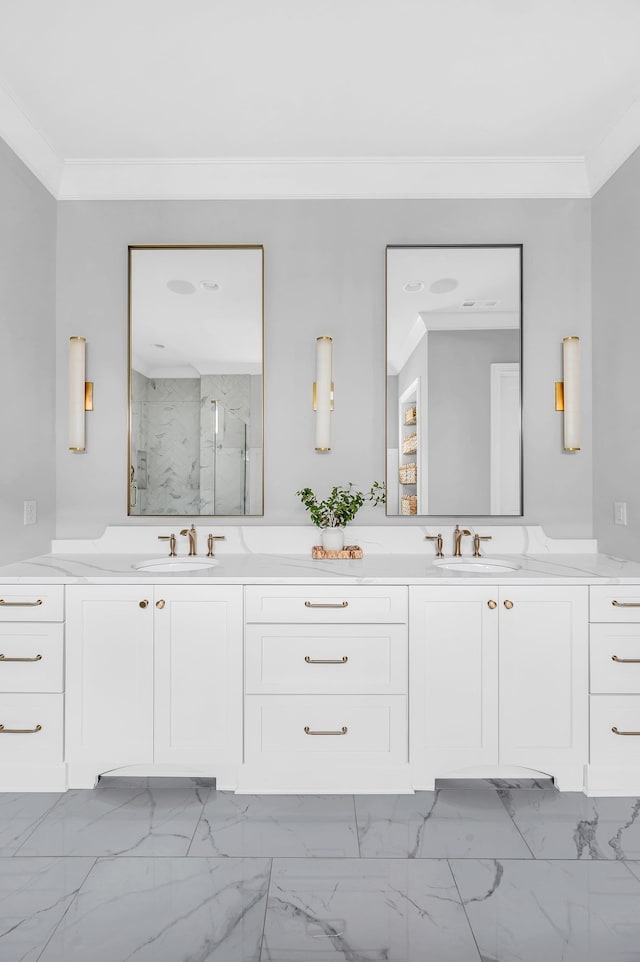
{"x":620,"y":512}
{"x":30,"y":512}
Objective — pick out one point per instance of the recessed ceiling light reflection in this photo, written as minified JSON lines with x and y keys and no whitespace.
{"x":413,"y":287}
{"x":444,"y":286}
{"x":181,"y":287}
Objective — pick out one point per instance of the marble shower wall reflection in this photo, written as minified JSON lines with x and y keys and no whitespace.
{"x":191,"y":456}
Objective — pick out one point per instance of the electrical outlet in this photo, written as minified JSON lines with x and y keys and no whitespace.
{"x":30,"y":512}
{"x":620,"y":512}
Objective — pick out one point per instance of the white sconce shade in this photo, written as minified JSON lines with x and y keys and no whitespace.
{"x":323,"y":392}
{"x":571,"y":391}
{"x":80,"y":393}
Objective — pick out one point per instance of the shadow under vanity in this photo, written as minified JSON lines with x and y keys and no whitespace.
{"x":277,"y":673}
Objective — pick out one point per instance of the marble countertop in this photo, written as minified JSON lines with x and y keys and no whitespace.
{"x":265,"y":554}
{"x":415,"y":569}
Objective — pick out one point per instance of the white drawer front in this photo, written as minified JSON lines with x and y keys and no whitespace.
{"x":328,"y":604}
{"x":615,"y":658}
{"x":614,"y":603}
{"x":288,"y":724}
{"x":31,"y":602}
{"x":615,"y":711}
{"x":31,"y":657}
{"x":19,"y":716}
{"x":298,"y":659}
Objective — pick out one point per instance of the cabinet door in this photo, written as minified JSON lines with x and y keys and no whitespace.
{"x":198,"y":675}
{"x":544,"y":678}
{"x":453,"y":679}
{"x":109,"y":675}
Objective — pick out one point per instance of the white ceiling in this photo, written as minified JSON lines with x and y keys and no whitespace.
{"x":461,"y":289}
{"x":331,"y":98}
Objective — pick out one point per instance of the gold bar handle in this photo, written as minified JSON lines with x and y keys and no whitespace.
{"x":342,"y":731}
{"x":626,"y":604}
{"x":4,"y":658}
{"x":616,"y":732}
{"x":625,"y":661}
{"x":20,"y":604}
{"x":311,"y":604}
{"x":20,"y":731}
{"x":326,"y":661}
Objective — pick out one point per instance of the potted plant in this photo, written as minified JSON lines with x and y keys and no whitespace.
{"x":334,"y":513}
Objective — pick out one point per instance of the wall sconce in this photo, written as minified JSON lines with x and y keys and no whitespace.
{"x":323,"y":392}
{"x":80,"y":392}
{"x":568,"y":392}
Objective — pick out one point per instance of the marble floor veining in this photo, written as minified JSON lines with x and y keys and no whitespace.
{"x":169,"y":870}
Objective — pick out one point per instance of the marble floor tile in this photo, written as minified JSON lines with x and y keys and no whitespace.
{"x":441,"y":824}
{"x":19,"y":815}
{"x":35,"y":893}
{"x":570,"y":825}
{"x":139,"y":819}
{"x":165,"y":910}
{"x":556,"y":911}
{"x":494,"y":783}
{"x":363,"y":910}
{"x":634,"y":868}
{"x":270,"y":825}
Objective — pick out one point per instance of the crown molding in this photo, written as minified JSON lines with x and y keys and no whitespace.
{"x":323,"y":177}
{"x":616,"y":147}
{"x":29,"y":144}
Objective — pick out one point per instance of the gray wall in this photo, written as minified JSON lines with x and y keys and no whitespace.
{"x":324,"y":270}
{"x":27,"y":358}
{"x":616,"y":358}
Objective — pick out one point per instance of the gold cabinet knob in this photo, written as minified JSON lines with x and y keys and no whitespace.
{"x":508,"y":604}
{"x":143,"y":604}
{"x":492,"y":604}
{"x":160,"y":604}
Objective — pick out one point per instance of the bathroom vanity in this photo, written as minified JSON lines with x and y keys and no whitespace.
{"x":278,"y":673}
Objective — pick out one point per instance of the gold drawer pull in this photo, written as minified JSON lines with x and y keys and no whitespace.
{"x":311,"y":604}
{"x":326,"y":661}
{"x":492,"y":604}
{"x":143,"y":604}
{"x":4,"y":658}
{"x":625,"y":661}
{"x":342,"y":731}
{"x":508,"y":604}
{"x":616,"y":732}
{"x":626,"y":604}
{"x":20,"y":731}
{"x":20,"y":604}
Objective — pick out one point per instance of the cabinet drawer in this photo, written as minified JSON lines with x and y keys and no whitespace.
{"x":20,"y":715}
{"x":276,"y":725}
{"x":615,"y":658}
{"x":31,"y":658}
{"x":31,"y":602}
{"x":615,"y":711}
{"x":300,"y":659}
{"x":614,"y":603}
{"x":327,"y":604}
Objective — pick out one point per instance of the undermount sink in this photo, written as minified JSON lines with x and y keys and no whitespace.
{"x":478,"y":566}
{"x":176,"y":565}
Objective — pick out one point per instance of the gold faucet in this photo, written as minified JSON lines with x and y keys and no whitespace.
{"x":457,"y":538}
{"x":210,"y":540}
{"x":191,"y":534}
{"x":171,"y":538}
{"x":477,"y":538}
{"x":438,"y":540}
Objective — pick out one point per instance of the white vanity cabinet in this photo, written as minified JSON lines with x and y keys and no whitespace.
{"x":614,"y":649}
{"x":31,"y":688}
{"x":154,"y":680}
{"x":325,"y":689}
{"x":499,"y":676}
